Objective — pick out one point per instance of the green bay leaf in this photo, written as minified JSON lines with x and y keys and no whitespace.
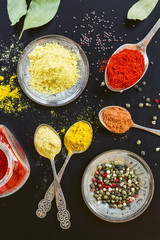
{"x":141,"y":9}
{"x":40,"y":12}
{"x":16,"y":9}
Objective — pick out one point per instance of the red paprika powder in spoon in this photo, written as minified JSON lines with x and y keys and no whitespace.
{"x":125,"y":68}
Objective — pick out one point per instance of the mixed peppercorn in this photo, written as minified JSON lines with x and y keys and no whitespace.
{"x":115,"y":184}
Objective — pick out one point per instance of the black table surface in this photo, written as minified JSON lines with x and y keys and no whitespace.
{"x":17,"y":212}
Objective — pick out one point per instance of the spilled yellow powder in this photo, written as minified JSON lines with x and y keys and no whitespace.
{"x":53,"y":68}
{"x":47,"y":143}
{"x":78,"y":137}
{"x":11,"y":97}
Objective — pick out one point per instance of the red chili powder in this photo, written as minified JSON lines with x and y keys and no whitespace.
{"x":125,"y":68}
{"x":3,"y":164}
{"x":102,"y":65}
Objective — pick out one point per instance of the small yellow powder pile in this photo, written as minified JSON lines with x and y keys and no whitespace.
{"x":53,"y":68}
{"x":47,"y":143}
{"x":78,"y":137}
{"x":11,"y":97}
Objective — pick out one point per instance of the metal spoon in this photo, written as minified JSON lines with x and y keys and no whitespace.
{"x":151,"y":130}
{"x":141,"y":47}
{"x":45,"y":204}
{"x":63,"y":215}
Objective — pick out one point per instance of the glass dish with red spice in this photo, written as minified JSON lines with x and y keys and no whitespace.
{"x":14,"y":166}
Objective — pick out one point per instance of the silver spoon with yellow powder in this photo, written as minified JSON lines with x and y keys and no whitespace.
{"x":77,"y":140}
{"x":48,"y":144}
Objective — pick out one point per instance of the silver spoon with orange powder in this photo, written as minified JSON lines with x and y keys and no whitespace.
{"x":118,"y":120}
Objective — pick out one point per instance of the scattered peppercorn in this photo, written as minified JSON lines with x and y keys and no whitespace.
{"x":158,"y":106}
{"x":139,"y":89}
{"x":128,"y":105}
{"x":148,"y":100}
{"x":151,"y":63}
{"x":157,"y":149}
{"x":140,"y":105}
{"x":153,"y":122}
{"x":143,"y":83}
{"x":143,"y":153}
{"x":138,"y":142}
{"x":156,"y":101}
{"x":103,"y":84}
{"x":136,"y":86}
{"x":154,"y":118}
{"x":147,"y":104}
{"x":115,"y":184}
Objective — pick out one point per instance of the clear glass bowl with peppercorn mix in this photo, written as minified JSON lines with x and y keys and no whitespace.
{"x":117,"y":186}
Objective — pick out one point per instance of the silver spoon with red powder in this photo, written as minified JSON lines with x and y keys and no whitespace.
{"x":140,"y":47}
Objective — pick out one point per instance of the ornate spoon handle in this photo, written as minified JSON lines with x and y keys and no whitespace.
{"x":45,"y":204}
{"x":63,"y":215}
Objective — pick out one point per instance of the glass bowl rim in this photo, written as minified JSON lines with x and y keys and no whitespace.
{"x":141,"y":161}
{"x":36,"y":100}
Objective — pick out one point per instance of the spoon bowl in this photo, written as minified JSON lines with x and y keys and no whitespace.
{"x":100,"y":114}
{"x":141,"y":47}
{"x":77,"y":152}
{"x":46,"y":125}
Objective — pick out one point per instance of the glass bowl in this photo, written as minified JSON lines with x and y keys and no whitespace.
{"x":62,"y":98}
{"x":138,"y":206}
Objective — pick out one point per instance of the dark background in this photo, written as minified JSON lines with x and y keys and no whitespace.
{"x":17,"y":212}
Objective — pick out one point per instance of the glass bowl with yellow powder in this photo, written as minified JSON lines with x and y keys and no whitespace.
{"x":53,"y":70}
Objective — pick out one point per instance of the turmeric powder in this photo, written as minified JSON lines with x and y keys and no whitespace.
{"x":78,"y":137}
{"x":11,"y":97}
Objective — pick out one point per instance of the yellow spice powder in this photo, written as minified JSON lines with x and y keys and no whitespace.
{"x":11,"y":96}
{"x":53,"y":68}
{"x":78,"y":137}
{"x":47,"y":143}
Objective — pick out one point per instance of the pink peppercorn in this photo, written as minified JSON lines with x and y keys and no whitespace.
{"x":156,"y":101}
{"x":104,"y":174}
{"x":93,"y":180}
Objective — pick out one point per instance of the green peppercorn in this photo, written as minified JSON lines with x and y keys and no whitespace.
{"x":143,"y":83}
{"x":128,"y":105}
{"x":138,"y":142}
{"x":113,"y":197}
{"x":101,"y":191}
{"x":101,"y":172}
{"x":119,"y":205}
{"x":140,"y":105}
{"x":96,"y":195}
{"x":99,"y":167}
{"x":99,"y":198}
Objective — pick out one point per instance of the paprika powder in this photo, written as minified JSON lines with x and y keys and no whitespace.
{"x":125,"y":68}
{"x":3,"y":164}
{"x":14,"y":167}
